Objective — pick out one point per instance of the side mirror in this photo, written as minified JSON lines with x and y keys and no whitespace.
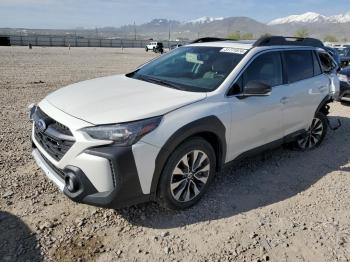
{"x":256,"y":88}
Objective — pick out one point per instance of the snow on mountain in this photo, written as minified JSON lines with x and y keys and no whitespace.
{"x":205,"y":19}
{"x":308,"y":17}
{"x":345,"y":18}
{"x":311,"y":17}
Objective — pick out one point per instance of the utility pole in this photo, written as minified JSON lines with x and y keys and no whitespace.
{"x":135,"y":30}
{"x":169,"y":37}
{"x":169,"y":32}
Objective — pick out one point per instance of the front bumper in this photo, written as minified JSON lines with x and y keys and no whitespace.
{"x":126,"y":185}
{"x":93,"y":172}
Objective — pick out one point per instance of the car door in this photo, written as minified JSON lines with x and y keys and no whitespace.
{"x":257,"y":120}
{"x":306,"y":88}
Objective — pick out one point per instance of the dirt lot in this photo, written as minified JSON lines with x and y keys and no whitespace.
{"x":280,"y":206}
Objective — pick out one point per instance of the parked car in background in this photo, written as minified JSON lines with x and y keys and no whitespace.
{"x":344,"y":53}
{"x":344,"y":77}
{"x":334,"y":53}
{"x":156,"y":47}
{"x":162,"y":132}
{"x":159,"y":48}
{"x":151,"y":46}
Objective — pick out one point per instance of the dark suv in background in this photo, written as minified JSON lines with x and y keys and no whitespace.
{"x":344,"y":77}
{"x":344,"y":53}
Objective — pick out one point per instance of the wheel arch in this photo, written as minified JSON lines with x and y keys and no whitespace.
{"x":323,"y":107}
{"x":209,"y":128}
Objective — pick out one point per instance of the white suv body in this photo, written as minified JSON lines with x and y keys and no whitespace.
{"x":121,"y":140}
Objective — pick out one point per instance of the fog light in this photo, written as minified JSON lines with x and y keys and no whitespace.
{"x":71,"y":181}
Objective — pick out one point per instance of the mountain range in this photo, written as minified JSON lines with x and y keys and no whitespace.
{"x":312,"y":18}
{"x":316,"y":25}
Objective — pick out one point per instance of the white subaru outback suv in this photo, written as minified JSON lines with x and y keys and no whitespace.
{"x":161,"y":132}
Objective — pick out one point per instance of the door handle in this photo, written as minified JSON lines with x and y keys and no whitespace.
{"x":284,"y":100}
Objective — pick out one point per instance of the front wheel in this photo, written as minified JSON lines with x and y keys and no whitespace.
{"x":146,"y":49}
{"x":187,"y":174}
{"x":315,"y":134}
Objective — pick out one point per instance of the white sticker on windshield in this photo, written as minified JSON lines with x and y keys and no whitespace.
{"x":233,"y":50}
{"x":193,"y":58}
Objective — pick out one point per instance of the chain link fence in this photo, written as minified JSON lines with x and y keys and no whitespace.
{"x":61,"y":41}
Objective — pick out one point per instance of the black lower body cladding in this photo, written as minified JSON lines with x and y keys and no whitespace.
{"x":127,"y":188}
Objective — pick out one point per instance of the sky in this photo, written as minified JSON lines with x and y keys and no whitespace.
{"x":69,"y":14}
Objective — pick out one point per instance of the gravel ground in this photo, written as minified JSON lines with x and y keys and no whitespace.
{"x":279,"y":206}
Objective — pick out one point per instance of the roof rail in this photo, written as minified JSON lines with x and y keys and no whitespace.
{"x":282,"y":40}
{"x":208,"y":39}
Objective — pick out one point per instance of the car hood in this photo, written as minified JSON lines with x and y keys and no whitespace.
{"x":118,"y":99}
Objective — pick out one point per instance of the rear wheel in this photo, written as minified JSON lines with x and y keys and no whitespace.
{"x":187,"y":174}
{"x":315,"y":134}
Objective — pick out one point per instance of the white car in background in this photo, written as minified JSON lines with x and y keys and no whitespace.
{"x":151,"y":46}
{"x":162,"y":132}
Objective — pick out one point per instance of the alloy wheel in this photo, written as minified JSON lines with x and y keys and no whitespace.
{"x":189,"y":176}
{"x":313,"y":136}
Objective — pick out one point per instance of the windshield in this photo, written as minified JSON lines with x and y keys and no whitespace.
{"x":196,"y":69}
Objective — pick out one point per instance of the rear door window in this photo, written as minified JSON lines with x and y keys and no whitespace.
{"x":299,"y":65}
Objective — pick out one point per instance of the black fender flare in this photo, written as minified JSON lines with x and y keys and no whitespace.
{"x":323,"y":106}
{"x":209,"y":124}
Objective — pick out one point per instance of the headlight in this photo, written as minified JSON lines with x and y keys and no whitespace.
{"x":343,"y":78}
{"x":123,"y":134}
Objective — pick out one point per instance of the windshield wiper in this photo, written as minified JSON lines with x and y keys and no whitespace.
{"x":160,"y":81}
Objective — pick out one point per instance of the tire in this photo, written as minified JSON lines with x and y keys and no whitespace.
{"x":315,"y":134}
{"x":146,"y":49}
{"x":179,"y":189}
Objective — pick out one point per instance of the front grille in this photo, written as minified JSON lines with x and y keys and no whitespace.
{"x":53,"y":167}
{"x":56,"y":139}
{"x":53,"y":123}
